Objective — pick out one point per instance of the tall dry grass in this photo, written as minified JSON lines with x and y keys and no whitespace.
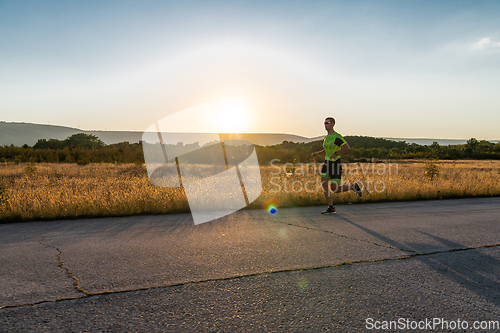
{"x":54,"y":191}
{"x":69,"y":190}
{"x":392,"y":181}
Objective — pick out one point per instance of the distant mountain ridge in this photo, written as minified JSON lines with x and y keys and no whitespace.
{"x":19,"y":134}
{"x":427,"y":142}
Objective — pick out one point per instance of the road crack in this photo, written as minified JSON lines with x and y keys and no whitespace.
{"x":342,"y":236}
{"x":76,"y":282}
{"x":287,"y":270}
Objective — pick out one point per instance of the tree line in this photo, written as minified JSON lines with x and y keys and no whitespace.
{"x":86,"y":148}
{"x":365,"y":149}
{"x":79,"y":148}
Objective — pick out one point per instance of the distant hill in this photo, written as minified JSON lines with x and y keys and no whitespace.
{"x":427,"y":142}
{"x":422,"y":141}
{"x":19,"y":134}
{"x":265,"y":139}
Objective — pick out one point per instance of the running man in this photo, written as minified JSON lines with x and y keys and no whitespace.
{"x":334,"y":145}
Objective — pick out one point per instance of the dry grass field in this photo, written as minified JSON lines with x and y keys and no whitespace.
{"x":392,"y":181}
{"x":55,"y":191}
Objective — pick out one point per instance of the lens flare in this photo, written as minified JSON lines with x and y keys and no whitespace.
{"x":283,"y":234}
{"x":271,"y":206}
{"x":302,"y":284}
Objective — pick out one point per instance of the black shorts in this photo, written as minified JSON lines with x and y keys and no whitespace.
{"x":332,"y":170}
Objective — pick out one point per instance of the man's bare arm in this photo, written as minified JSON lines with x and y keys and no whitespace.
{"x":318,"y":152}
{"x":345,"y":148}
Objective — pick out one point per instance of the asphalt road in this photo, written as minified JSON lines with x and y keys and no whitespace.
{"x":296,"y":271}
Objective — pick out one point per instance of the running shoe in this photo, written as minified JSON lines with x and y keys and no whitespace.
{"x":330,"y":210}
{"x":357,"y":188}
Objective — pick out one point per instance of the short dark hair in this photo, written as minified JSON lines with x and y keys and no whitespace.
{"x":331,"y":119}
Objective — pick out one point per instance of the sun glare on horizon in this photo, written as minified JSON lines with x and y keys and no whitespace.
{"x":233,"y":115}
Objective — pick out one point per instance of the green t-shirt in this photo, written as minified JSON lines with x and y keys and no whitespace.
{"x":333,"y":143}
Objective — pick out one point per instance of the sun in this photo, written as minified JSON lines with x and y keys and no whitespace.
{"x":233,"y":115}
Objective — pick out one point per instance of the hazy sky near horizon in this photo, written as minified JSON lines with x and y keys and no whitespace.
{"x":381,"y":68}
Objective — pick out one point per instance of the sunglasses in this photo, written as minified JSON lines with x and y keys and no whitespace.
{"x":327,"y":122}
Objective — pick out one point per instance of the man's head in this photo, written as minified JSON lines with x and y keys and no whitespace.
{"x":329,"y":121}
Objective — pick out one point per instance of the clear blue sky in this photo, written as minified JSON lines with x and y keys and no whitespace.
{"x":381,"y":68}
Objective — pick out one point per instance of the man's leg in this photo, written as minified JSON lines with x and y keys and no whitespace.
{"x":337,"y":188}
{"x":328,"y":195}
